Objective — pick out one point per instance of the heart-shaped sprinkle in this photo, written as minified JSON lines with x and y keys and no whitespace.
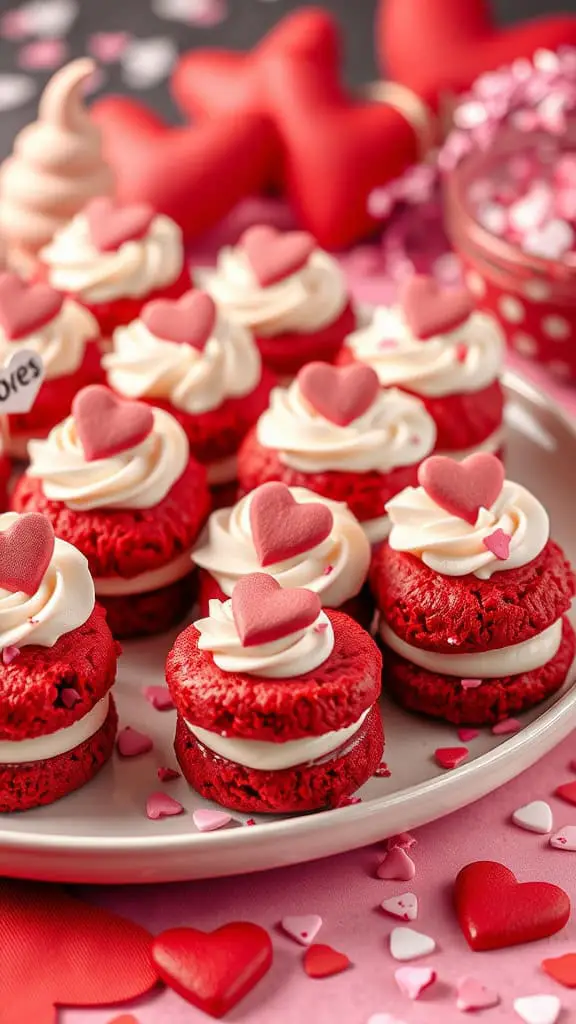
{"x":567,"y":792}
{"x":413,"y":981}
{"x":498,"y":543}
{"x":462,"y":488}
{"x":465,"y":735}
{"x":273,"y":255}
{"x":167,"y":774}
{"x":131,"y":743}
{"x":264,"y":612}
{"x":397,"y":865}
{"x":450,"y":757}
{"x":541,"y":1009}
{"x":107,"y":425}
{"x":506,"y":727}
{"x":303,"y":929}
{"x":472,"y":995}
{"x":565,"y":839}
{"x":283,"y":527}
{"x":111,"y":224}
{"x":9,"y":654}
{"x":160,"y":805}
{"x":430,"y":309}
{"x":408,"y":944}
{"x":470,"y":684}
{"x":339,"y":393}
{"x":26,"y":549}
{"x":25,"y":308}
{"x":404,"y":906}
{"x":159,"y":697}
{"x":534,"y":817}
{"x":549,"y":242}
{"x":405,"y":840}
{"x":562,"y":969}
{"x":207,"y":820}
{"x":323,"y":961}
{"x":187,"y":321}
{"x":70,"y":697}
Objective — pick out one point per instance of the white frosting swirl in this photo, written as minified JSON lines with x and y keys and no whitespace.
{"x":140,"y":477}
{"x":335,"y":569}
{"x":142,"y":365}
{"x":306,"y":301}
{"x":292,"y":655}
{"x":137,"y":268}
{"x":463,"y":360}
{"x":63,"y":602}
{"x":453,"y":547}
{"x":395,"y":431}
{"x":61,"y":343}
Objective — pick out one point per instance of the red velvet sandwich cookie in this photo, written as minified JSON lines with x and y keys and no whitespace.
{"x":115,"y":479}
{"x":288,"y":292}
{"x":277,"y":701}
{"x":66,"y":337}
{"x":336,"y":432}
{"x":113,"y":259}
{"x":58,"y":664}
{"x":436,"y":346}
{"x":203,"y":369}
{"x":473,"y":595}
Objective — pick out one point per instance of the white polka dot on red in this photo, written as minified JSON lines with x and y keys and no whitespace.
{"x":525,"y":344}
{"x":556,"y":327}
{"x":511,"y":309}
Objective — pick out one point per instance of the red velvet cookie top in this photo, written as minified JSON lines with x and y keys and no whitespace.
{"x":264,"y":612}
{"x":462,"y":488}
{"x":274,"y":255}
{"x":106,"y":424}
{"x":189,"y":320}
{"x":111,"y":224}
{"x":26,"y":307}
{"x":282,"y":527}
{"x":339,"y":393}
{"x":26,"y":548}
{"x":430,"y":309}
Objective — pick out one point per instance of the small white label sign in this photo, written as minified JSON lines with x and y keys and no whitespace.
{"x":20,"y":381}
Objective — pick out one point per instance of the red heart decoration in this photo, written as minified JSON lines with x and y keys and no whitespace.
{"x":567,"y":792}
{"x":562,"y":969}
{"x":450,"y":757}
{"x":263,"y":611}
{"x":274,"y":255}
{"x":282,"y":527}
{"x":462,"y":488}
{"x":339,"y":393}
{"x":106,"y":424}
{"x":213,"y":970}
{"x":25,"y":551}
{"x":322,"y":961}
{"x":26,"y":307}
{"x":89,"y":957}
{"x":112,"y":224}
{"x":494,"y":910}
{"x":190,"y":320}
{"x":430,"y":309}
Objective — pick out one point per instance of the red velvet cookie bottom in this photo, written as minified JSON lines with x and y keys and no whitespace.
{"x":441,"y":696}
{"x":132,"y":615}
{"x":36,"y":783}
{"x":307,"y":787}
{"x":111,"y":315}
{"x":285,"y":354}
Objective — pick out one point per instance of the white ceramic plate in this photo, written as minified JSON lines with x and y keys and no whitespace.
{"x":101,"y":833}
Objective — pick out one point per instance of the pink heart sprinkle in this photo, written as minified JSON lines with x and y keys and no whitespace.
{"x":327,"y":570}
{"x":387,"y":344}
{"x":108,"y":47}
{"x":168,"y":774}
{"x":465,"y":735}
{"x":321,"y":627}
{"x":303,"y":929}
{"x":348,"y":801}
{"x":450,"y":757}
{"x":208,"y":821}
{"x":14,"y":24}
{"x":412,"y":981}
{"x":43,"y":55}
{"x":565,"y":839}
{"x":499,"y":544}
{"x":470,"y":684}
{"x":405,"y":906}
{"x":397,"y":866}
{"x":249,"y":821}
{"x":474,"y":996}
{"x":9,"y":653}
{"x":70,"y":697}
{"x":159,"y":697}
{"x":461,"y":352}
{"x":160,"y":805}
{"x":507,"y":727}
{"x":131,"y":743}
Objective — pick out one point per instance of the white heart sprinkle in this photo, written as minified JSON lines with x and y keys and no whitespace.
{"x":146,"y":62}
{"x":404,"y":906}
{"x":50,"y":19}
{"x":534,"y":817}
{"x":407,"y":944}
{"x":551,"y":241}
{"x":16,"y":90}
{"x":538,"y":1009}
{"x":303,"y":929}
{"x":565,"y":839}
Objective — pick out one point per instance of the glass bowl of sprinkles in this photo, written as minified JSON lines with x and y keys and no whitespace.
{"x":509,"y":171}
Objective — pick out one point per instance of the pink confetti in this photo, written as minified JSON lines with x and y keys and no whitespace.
{"x":450,"y":757}
{"x":159,"y":697}
{"x":249,"y":822}
{"x":412,"y":981}
{"x":43,"y":55}
{"x":70,"y":697}
{"x":160,"y":805}
{"x":327,"y":570}
{"x":465,"y":735}
{"x":321,"y":627}
{"x":9,"y":653}
{"x":461,"y":352}
{"x":168,"y":774}
{"x":470,"y":684}
{"x":472,"y":995}
{"x":348,"y":801}
{"x":108,"y":47}
{"x":506,"y":727}
{"x":396,"y":866}
{"x":207,"y":820}
{"x":131,"y":743}
{"x":498,"y":543}
{"x":14,"y":25}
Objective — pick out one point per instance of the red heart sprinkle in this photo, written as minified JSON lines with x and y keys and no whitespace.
{"x":264,"y":612}
{"x":189,"y":320}
{"x":159,"y":697}
{"x":431,"y":310}
{"x":499,"y":544}
{"x":283,"y":527}
{"x":339,"y":393}
{"x":462,"y":488}
{"x":450,"y":757}
{"x":465,"y":735}
{"x":562,"y":969}
{"x":24,"y":308}
{"x":106,"y":424}
{"x":567,"y":792}
{"x":213,"y":970}
{"x":132,"y":743}
{"x":111,"y":224}
{"x":494,"y":910}
{"x":274,"y":255}
{"x":322,"y":961}
{"x":160,"y":805}
{"x":25,"y":551}
{"x":167,"y":774}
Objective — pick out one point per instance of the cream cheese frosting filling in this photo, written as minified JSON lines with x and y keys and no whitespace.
{"x":155,"y":579}
{"x":53,"y":744}
{"x":495,"y":664}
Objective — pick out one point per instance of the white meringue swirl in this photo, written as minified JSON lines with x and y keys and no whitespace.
{"x":60,"y":343}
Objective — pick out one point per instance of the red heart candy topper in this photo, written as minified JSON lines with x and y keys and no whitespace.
{"x":462,"y":488}
{"x":187,"y":321}
{"x":107,"y":425}
{"x":284,"y":528}
{"x":112,"y":224}
{"x":341,"y":394}
{"x":26,"y":548}
{"x":26,"y":307}
{"x":264,"y":612}
{"x":430,"y":309}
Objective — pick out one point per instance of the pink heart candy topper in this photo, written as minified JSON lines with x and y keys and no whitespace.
{"x":264,"y":612}
{"x":274,"y":255}
{"x":339,"y":393}
{"x":25,"y":551}
{"x":111,"y":225}
{"x":430,"y":309}
{"x":462,"y":488}
{"x":283,"y":527}
{"x":24,"y":307}
{"x":107,"y":425}
{"x":188,"y":321}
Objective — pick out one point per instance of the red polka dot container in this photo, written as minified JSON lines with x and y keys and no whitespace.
{"x":509,"y":169}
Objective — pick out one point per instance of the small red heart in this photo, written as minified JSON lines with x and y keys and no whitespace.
{"x":562,"y":969}
{"x":263,"y":611}
{"x":111,"y":224}
{"x":213,"y":970}
{"x":494,"y":910}
{"x":339,"y":393}
{"x":450,"y":757}
{"x":26,"y":307}
{"x":462,"y":488}
{"x":274,"y":255}
{"x":430,"y":309}
{"x":322,"y":961}
{"x":282,"y":527}
{"x":189,"y":320}
{"x":106,"y":424}
{"x":567,"y":792}
{"x":25,"y":552}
